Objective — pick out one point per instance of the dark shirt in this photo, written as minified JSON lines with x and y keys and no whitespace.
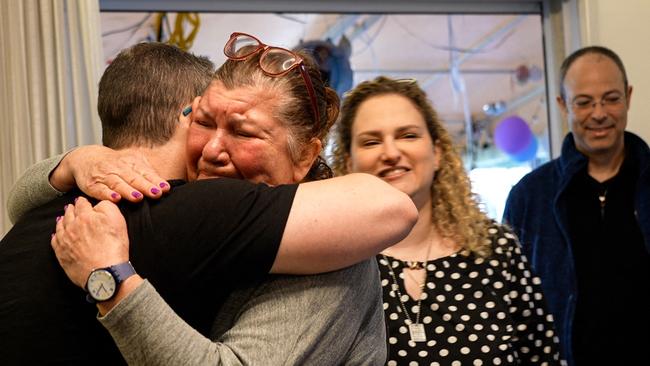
{"x":613,"y":269}
{"x":537,"y":210}
{"x":195,"y":245}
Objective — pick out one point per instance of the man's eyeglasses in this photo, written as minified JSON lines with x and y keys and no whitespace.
{"x":587,"y":104}
{"x":274,"y":61}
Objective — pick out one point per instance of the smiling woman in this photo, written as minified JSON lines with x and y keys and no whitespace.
{"x":391,"y":141}
{"x":457,"y":289}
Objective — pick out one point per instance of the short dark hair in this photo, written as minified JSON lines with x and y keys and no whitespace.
{"x":143,"y":90}
{"x":599,"y":50}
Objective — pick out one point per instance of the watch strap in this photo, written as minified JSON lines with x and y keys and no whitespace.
{"x":121,"y":272}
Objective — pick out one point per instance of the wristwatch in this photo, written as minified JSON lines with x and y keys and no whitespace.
{"x":103,"y":283}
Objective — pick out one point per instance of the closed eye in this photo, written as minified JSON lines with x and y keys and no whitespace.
{"x":245,"y":130}
{"x":613,"y":99}
{"x":410,"y":135}
{"x":242,"y":133}
{"x":203,"y":123}
{"x":370,"y":142}
{"x":583,"y":102}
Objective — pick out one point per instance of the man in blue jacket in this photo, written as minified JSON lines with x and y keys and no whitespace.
{"x":584,"y":218}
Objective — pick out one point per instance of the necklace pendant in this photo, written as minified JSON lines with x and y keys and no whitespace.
{"x":414,"y":265}
{"x":417,"y":332}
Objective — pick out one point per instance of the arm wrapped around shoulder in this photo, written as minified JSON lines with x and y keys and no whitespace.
{"x":337,"y":222}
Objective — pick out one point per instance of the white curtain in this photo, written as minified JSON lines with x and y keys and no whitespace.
{"x":50,"y":63}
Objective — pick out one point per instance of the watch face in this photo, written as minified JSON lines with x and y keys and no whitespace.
{"x":101,"y":285}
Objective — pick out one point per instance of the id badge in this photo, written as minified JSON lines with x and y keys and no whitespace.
{"x":417,"y":332}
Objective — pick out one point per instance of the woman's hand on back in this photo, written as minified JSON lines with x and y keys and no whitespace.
{"x":90,"y":237}
{"x":107,"y":174}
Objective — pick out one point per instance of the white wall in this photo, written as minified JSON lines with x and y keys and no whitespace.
{"x":624,"y":26}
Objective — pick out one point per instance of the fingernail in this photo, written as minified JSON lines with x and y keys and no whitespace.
{"x":163,"y":184}
{"x":187,"y":111}
{"x":65,"y":207}
{"x":58,"y":218}
{"x":52,"y":237}
{"x":155,"y":190}
{"x":136,"y":194}
{"x":114,"y":195}
{"x":75,"y":200}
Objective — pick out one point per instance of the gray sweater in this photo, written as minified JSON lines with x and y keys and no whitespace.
{"x":329,"y":319}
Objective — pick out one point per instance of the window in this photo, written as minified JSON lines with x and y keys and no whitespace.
{"x":484,"y":73}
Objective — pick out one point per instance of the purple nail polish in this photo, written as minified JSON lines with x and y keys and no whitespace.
{"x":163,"y":184}
{"x":58,"y":218}
{"x":65,"y":207}
{"x":136,"y":194}
{"x":155,"y":190}
{"x":75,"y":200}
{"x":114,"y":195}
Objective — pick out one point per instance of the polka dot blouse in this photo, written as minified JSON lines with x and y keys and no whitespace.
{"x":475,"y":311}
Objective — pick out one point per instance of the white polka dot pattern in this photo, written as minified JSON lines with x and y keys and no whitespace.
{"x":476,"y":311}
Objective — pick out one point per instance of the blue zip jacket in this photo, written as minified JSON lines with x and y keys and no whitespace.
{"x":536,"y":209}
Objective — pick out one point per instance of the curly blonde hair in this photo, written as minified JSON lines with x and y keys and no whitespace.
{"x":455,"y":211}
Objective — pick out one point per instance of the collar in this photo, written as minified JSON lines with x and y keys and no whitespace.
{"x":571,"y":161}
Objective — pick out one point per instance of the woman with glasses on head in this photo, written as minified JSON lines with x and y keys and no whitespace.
{"x":263,"y":118}
{"x":457,"y":290}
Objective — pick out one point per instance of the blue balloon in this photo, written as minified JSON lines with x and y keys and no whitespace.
{"x":528,"y":153}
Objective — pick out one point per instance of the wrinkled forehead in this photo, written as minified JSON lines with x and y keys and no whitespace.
{"x":218,"y":99}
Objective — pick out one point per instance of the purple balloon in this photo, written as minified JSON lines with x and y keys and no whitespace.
{"x":512,"y":135}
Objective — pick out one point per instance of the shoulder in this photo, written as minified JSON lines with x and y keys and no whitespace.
{"x":538,"y":176}
{"x":536,"y":187}
{"x":337,"y":281}
{"x":503,"y":239}
{"x":638,"y":148}
{"x":637,"y":142}
{"x":498,"y":231}
{"x":214,"y":212}
{"x":232,"y":183}
{"x":226,"y":190}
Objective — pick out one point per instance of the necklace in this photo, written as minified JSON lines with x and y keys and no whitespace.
{"x":415,"y":280}
{"x":416,"y":329}
{"x":602,"y":198}
{"x":413,"y":265}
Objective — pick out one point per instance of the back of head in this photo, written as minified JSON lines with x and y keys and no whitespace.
{"x":143,"y":90}
{"x":455,"y":212}
{"x":590,"y":50}
{"x":295,"y":109}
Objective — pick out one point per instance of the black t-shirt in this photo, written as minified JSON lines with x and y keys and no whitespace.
{"x":195,"y":245}
{"x":612,"y":267}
